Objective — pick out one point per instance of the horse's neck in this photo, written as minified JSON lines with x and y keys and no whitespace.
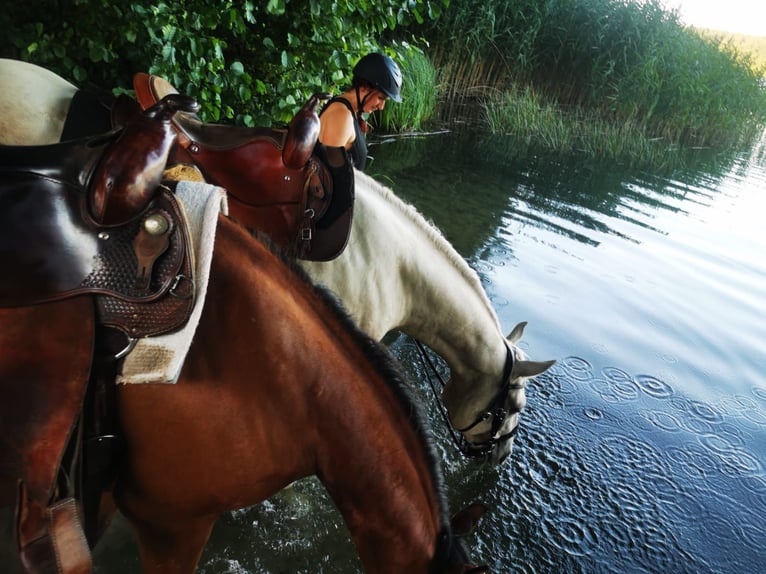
{"x":398,"y":272}
{"x":379,"y":484}
{"x":375,"y":464}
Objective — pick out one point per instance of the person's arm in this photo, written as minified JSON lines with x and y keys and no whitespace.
{"x":336,"y":126}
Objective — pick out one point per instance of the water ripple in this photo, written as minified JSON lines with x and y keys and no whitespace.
{"x":577,"y":368}
{"x":575,"y":536}
{"x":654,"y":387}
{"x":499,"y":301}
{"x":662,"y":420}
{"x":616,"y":375}
{"x":738,"y":403}
{"x":692,"y":459}
{"x":755,"y":416}
{"x":593,"y":414}
{"x":705,"y":412}
{"x":715,"y":442}
{"x":752,"y":534}
{"x":614,"y":390}
{"x":739,"y":462}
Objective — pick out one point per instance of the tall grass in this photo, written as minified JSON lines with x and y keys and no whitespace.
{"x":540,"y":124}
{"x":614,"y":62}
{"x":419,"y":91}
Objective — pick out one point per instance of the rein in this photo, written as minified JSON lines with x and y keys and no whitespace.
{"x":495,"y":410}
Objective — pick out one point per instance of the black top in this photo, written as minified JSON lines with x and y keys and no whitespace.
{"x":358,"y":149}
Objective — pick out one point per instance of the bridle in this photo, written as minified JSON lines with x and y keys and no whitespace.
{"x":495,"y":410}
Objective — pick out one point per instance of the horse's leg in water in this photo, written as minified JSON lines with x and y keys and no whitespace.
{"x":174,"y":547}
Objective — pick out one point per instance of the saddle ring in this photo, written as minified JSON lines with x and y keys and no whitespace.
{"x":174,"y":287}
{"x":128,"y":348}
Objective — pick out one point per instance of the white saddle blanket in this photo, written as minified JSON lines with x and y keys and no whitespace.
{"x":159,"y":359}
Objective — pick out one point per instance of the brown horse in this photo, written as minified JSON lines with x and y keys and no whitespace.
{"x":279,"y":385}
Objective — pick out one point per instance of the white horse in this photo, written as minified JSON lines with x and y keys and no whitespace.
{"x":397,"y":273}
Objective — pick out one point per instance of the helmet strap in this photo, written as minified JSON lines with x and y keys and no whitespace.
{"x":360,"y":107}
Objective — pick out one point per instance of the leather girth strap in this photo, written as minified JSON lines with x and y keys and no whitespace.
{"x":44,"y":370}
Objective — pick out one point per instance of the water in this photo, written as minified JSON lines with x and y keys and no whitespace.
{"x":644,"y":448}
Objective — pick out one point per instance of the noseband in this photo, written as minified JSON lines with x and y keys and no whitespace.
{"x":495,"y":410}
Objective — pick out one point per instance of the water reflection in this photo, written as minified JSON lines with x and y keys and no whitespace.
{"x":643,"y":449}
{"x":565,"y":195}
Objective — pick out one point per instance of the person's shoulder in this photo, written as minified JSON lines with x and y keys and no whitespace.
{"x":337,"y":106}
{"x":336,"y":125}
{"x":337,"y":113}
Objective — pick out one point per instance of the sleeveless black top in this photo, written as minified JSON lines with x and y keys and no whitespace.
{"x":358,"y":149}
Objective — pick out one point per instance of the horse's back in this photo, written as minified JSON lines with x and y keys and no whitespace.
{"x":33,"y":103}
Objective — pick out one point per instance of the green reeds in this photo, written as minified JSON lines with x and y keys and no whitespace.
{"x":419,"y":90}
{"x":540,"y":124}
{"x":630,"y":64}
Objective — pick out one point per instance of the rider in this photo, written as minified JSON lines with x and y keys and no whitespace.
{"x":376,"y":78}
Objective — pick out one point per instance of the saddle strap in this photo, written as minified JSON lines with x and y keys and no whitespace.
{"x":51,"y":538}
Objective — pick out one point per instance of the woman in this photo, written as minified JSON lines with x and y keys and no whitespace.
{"x":376,"y":78}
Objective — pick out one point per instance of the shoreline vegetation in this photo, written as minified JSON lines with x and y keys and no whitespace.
{"x":622,"y":80}
{"x":617,"y":81}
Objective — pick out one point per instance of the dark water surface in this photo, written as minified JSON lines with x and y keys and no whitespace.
{"x":644,"y":448}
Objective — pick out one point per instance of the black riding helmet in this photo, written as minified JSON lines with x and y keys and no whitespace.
{"x":381,"y":72}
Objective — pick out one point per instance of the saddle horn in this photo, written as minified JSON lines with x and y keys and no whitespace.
{"x":130,"y":170}
{"x":302,"y":133}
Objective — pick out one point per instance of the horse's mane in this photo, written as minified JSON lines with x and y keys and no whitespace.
{"x":434,"y":234}
{"x":381,"y":359}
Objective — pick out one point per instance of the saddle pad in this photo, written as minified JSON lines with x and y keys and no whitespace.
{"x":159,"y":359}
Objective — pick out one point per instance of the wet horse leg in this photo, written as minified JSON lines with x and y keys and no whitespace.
{"x":173,"y":547}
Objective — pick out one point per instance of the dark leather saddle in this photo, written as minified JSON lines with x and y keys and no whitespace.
{"x":279,"y":181}
{"x":94,"y":252}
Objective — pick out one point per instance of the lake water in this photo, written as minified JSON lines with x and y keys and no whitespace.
{"x":644,"y":448}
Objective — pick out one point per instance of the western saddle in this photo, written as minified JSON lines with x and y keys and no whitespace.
{"x":278,"y":180}
{"x":95,"y":253}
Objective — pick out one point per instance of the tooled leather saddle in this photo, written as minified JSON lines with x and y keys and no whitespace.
{"x":95,"y":253}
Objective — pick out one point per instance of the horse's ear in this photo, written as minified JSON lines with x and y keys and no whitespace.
{"x":530,"y":368}
{"x":518,"y":331}
{"x":464,"y":521}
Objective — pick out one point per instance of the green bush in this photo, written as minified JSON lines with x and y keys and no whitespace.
{"x":244,"y":60}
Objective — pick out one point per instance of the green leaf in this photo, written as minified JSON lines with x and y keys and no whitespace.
{"x":245,"y":94}
{"x":275,"y":7}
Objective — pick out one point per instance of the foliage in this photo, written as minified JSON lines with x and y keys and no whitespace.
{"x":245,"y":60}
{"x":628,"y":62}
{"x":419,"y":94}
{"x":532,"y":122}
